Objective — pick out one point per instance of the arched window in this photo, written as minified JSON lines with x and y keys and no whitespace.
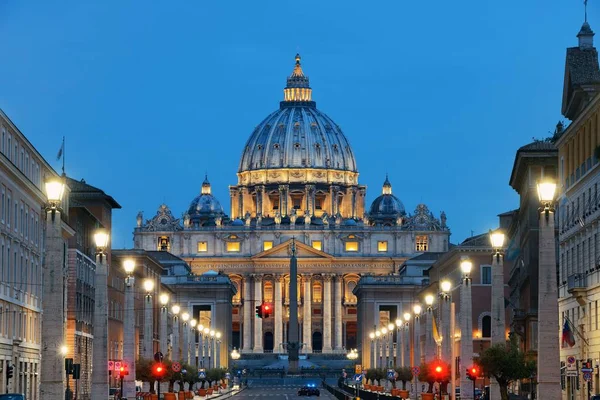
{"x":350,"y":297}
{"x":486,"y":326}
{"x":238,"y":296}
{"x":268,"y":291}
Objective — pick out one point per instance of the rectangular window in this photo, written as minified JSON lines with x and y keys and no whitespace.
{"x":317,"y":244}
{"x":351,"y":246}
{"x":3,"y":139}
{"x":421,"y":243}
{"x":382,"y":246}
{"x":233,"y":247}
{"x":202,"y":247}
{"x":486,"y":275}
{"x":8,"y":205}
{"x":267,"y":245}
{"x":3,"y":205}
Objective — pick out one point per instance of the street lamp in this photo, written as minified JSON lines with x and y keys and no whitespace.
{"x":429,"y":344}
{"x":372,"y":337}
{"x":466,"y":327}
{"x":176,"y":345}
{"x":498,"y":312}
{"x":548,"y":371}
{"x":186,"y":338}
{"x":100,"y":380}
{"x":148,"y":319}
{"x":407,"y":344}
{"x":129,"y":329}
{"x":417,"y":345}
{"x":53,"y":289}
{"x":390,"y":328}
{"x":164,"y":315}
{"x":218,"y":349}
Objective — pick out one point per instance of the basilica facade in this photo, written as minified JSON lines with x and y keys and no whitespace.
{"x":297,"y":178}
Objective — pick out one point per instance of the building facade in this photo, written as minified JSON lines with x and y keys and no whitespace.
{"x":297,"y":178}
{"x":579,"y":215}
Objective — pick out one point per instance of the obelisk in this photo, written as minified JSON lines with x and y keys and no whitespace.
{"x":293,"y":345}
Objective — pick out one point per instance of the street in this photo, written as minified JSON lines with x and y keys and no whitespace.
{"x":287,"y":392}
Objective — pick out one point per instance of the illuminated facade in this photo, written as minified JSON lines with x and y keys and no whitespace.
{"x":297,"y":178}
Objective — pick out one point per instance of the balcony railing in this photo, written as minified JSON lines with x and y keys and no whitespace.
{"x":576,"y":281}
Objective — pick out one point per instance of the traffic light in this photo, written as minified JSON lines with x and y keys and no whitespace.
{"x":124,"y":371}
{"x":158,"y":370}
{"x":472,"y":373}
{"x":266,"y":310}
{"x":9,"y":372}
{"x":259,"y":311}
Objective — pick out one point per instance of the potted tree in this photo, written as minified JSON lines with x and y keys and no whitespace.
{"x":370,"y":376}
{"x":404,"y":375}
{"x":425,"y":375}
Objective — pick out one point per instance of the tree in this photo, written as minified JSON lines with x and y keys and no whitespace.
{"x":191,"y":375}
{"x":143,"y":371}
{"x":425,"y":375}
{"x":371,"y":375}
{"x":505,"y":363}
{"x":404,"y":375}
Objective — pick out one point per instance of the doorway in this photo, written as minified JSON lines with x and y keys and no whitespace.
{"x":317,"y":342}
{"x":268,"y":346}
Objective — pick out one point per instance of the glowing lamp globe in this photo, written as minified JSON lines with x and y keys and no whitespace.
{"x":417,"y":309}
{"x":164,"y":299}
{"x":407,"y":316}
{"x":193,"y":323}
{"x":390,"y":327}
{"x":398,"y":322}
{"x":200,"y":328}
{"x":55,"y":189}
{"x":185,"y":317}
{"x":446,"y":286}
{"x":497,"y":239}
{"x":101,"y":239}
{"x":429,"y":299}
{"x":218,"y":335}
{"x":206,"y":331}
{"x":383,"y":331}
{"x":175,"y":309}
{"x":129,"y":266}
{"x":377,"y":333}
{"x":372,"y":335}
{"x":546,"y":191}
{"x":148,"y":285}
{"x":466,"y":266}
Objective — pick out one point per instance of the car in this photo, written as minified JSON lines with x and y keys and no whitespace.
{"x":12,"y":396}
{"x":309,"y":390}
{"x":595,"y":397}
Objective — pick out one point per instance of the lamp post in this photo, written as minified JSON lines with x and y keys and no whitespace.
{"x":164,"y":314}
{"x":206,"y":347}
{"x":466,"y":329}
{"x":372,"y":360}
{"x":417,"y":345}
{"x":384,"y":340}
{"x":129,"y":330}
{"x":200,"y":363}
{"x":193,"y":344}
{"x":353,"y":356}
{"x":100,"y":382}
{"x":446,"y":299}
{"x":407,"y":352}
{"x":54,"y":290}
{"x":390,"y":328}
{"x":185,"y":351}
{"x":176,"y":345}
{"x":429,"y":343}
{"x":212,"y":361}
{"x":399,"y":343}
{"x":498,"y":320}
{"x":377,"y":349}
{"x":235,"y":355}
{"x":548,"y":366}
{"x":218,"y":350}
{"x":148,"y":320}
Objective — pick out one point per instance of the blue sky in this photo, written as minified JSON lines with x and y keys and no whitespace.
{"x":150,"y":95}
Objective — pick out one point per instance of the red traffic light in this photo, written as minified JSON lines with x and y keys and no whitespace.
{"x":159,"y":371}
{"x":267,"y":308}
{"x":438,"y":369}
{"x":474,"y":371}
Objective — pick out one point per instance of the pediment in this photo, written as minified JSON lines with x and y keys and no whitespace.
{"x":283,"y":251}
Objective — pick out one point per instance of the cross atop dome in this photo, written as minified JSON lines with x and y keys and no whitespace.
{"x":298,"y":87}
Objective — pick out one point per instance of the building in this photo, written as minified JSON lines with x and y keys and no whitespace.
{"x":579,"y":215}
{"x":297,"y":178}
{"x":23,"y":172}
{"x":533,"y":162}
{"x":89,"y":209}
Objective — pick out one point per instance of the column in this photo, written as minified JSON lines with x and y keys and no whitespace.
{"x":498,"y":324}
{"x":327,"y":313}
{"x":53,"y":325}
{"x":466,"y":341}
{"x":373,"y":356}
{"x":240,"y":212}
{"x":164,"y":314}
{"x":390,"y":350}
{"x":278,"y":334}
{"x":337,"y":310}
{"x":445,"y":304}
{"x":258,"y":332}
{"x":200,"y":350}
{"x":100,"y":348}
{"x":548,"y":371}
{"x":407,"y":345}
{"x":247,"y":328}
{"x":176,"y":342}
{"x":148,"y":327}
{"x":399,"y":347}
{"x":129,"y":339}
{"x":218,"y":354}
{"x":417,"y":345}
{"x":307,"y":317}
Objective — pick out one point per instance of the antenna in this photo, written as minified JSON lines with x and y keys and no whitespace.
{"x":585,"y":10}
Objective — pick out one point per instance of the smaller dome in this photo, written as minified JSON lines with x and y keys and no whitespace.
{"x":387,"y":206}
{"x":205,"y":206}
{"x":350,"y":222}
{"x":238,"y":222}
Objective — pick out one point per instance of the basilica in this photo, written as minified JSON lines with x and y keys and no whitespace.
{"x":297,"y":178}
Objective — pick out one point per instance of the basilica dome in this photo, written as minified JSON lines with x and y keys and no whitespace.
{"x":298,"y":135}
{"x":205,"y":207}
{"x":386,"y":208}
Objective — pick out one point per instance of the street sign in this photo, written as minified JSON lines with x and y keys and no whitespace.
{"x":587,"y":376}
{"x":202,"y":374}
{"x":416,"y":370}
{"x":227,"y":375}
{"x":244,"y":371}
{"x":570,"y":360}
{"x":176,"y":367}
{"x":111,"y":365}
{"x":358,"y":378}
{"x":572,"y":373}
{"x":390,"y":374}
{"x":587,"y":370}
{"x":158,"y":356}
{"x":117,"y":365}
{"x":357,"y":369}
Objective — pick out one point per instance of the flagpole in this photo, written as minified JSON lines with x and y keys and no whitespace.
{"x":63,"y":156}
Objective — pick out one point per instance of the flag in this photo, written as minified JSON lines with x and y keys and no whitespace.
{"x":436,"y":334}
{"x":567,"y":335}
{"x":60,"y":151}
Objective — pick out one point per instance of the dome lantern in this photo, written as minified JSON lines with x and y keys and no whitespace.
{"x":206,"y":186}
{"x":298,"y":87}
{"x":387,"y":186}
